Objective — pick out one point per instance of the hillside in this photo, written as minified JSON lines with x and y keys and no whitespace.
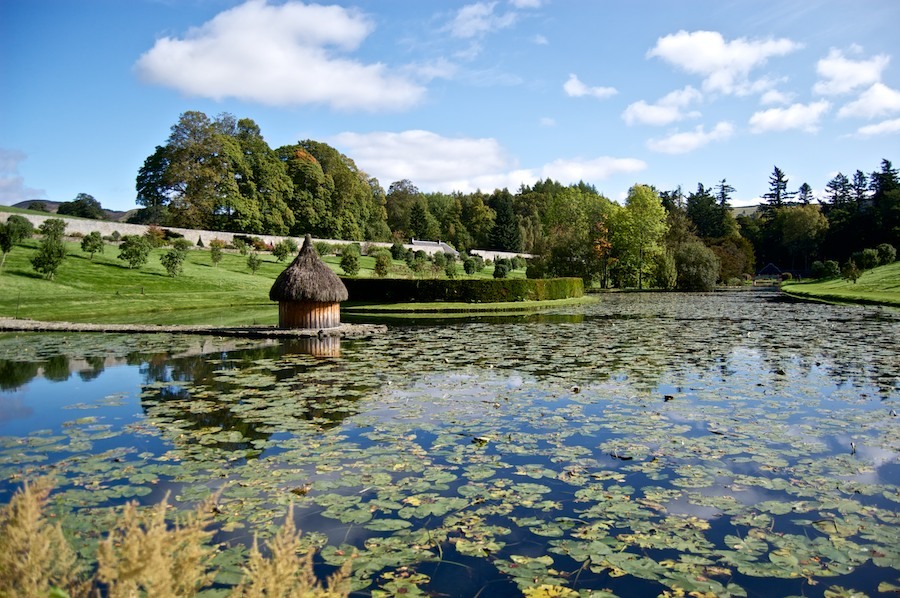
{"x":53,"y":206}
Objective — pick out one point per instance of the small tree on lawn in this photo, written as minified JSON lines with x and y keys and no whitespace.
{"x":382,"y":263}
{"x":850,"y":271}
{"x":92,"y":243}
{"x":283,"y":249}
{"x":173,"y":262}
{"x":254,"y":262}
{"x":52,"y":251}
{"x":215,"y":251}
{"x":15,"y":229}
{"x":134,"y":250}
{"x":350,"y":260}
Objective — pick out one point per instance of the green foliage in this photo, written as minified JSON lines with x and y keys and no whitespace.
{"x":14,"y":230}
{"x":92,"y":243}
{"x":469,"y":266}
{"x":173,"y":262}
{"x":241,"y":246}
{"x":450,"y":269}
{"x":505,"y":235}
{"x":831,"y":269}
{"x":350,"y":260}
{"x":866,"y":259}
{"x":52,"y":251}
{"x":697,"y":267}
{"x":200,"y":242}
{"x":84,"y":206}
{"x":182,"y":245}
{"x":886,"y":254}
{"x":466,"y":290}
{"x":382,"y":263}
{"x":134,"y":250}
{"x":155,"y":236}
{"x":501,"y":269}
{"x":850,"y":271}
{"x":284,"y":249}
{"x":398,"y":251}
{"x":215,"y":255}
{"x":665,"y":274}
{"x":254,"y":262}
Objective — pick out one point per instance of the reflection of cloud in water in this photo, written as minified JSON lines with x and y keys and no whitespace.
{"x":12,"y":407}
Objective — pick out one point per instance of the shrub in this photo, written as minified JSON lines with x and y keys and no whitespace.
{"x":886,"y":254}
{"x":398,"y":251}
{"x":832,"y":269}
{"x":850,"y":271}
{"x":817,"y":269}
{"x":439,"y":259}
{"x":865,"y":259}
{"x":12,"y":232}
{"x":92,"y":243}
{"x":199,"y":241}
{"x":394,"y":290}
{"x":215,"y":255}
{"x":155,"y":236}
{"x":182,"y":245}
{"x":217,"y":243}
{"x":537,"y":268}
{"x":322,"y":248}
{"x":134,"y":250}
{"x":173,"y":262}
{"x":240,"y":245}
{"x":501,"y":270}
{"x":382,"y":263}
{"x":254,"y":262}
{"x":450,"y":269}
{"x":519,"y":262}
{"x":787,"y":276}
{"x":469,"y":266}
{"x":52,"y":251}
{"x":115,"y":236}
{"x":350,"y":260}
{"x":284,"y":249}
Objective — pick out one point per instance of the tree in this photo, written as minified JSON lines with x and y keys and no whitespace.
{"x":802,"y":229}
{"x":778,"y":195}
{"x":505,"y":234}
{"x":84,"y":206}
{"x":284,"y":249}
{"x":52,"y":251}
{"x":382,"y":264}
{"x":642,"y":228}
{"x":805,"y":194}
{"x":697,"y":267}
{"x":92,"y":243}
{"x":173,"y":262}
{"x":134,"y":250}
{"x":254,"y":262}
{"x":704,"y":212}
{"x":15,"y":229}
{"x":350,"y":260}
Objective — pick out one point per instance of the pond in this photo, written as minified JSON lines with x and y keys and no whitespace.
{"x":649,"y":444}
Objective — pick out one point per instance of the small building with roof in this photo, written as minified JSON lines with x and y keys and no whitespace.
{"x":308,"y":293}
{"x":432,"y":247}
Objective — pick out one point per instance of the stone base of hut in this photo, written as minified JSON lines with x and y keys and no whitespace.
{"x":309,"y":315}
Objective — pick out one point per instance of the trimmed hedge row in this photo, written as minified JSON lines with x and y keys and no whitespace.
{"x":405,"y":290}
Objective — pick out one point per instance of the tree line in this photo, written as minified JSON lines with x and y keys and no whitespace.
{"x":220,"y":174}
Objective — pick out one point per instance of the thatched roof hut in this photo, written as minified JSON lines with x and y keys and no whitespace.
{"x":308,"y":292}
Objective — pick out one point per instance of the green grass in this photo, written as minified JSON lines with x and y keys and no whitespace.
{"x":105,"y":290}
{"x":879,"y":286}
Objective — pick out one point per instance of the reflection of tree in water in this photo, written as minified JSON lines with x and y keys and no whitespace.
{"x":202,"y":391}
{"x":97,"y":365}
{"x":15,"y":374}
{"x":57,"y":368}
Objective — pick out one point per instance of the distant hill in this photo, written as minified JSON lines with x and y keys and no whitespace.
{"x":53,"y":206}
{"x":744,"y":211}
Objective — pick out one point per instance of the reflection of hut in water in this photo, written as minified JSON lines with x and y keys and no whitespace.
{"x":318,"y":346}
{"x":308,"y":293}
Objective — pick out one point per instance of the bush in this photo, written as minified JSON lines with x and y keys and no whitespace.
{"x":49,"y":257}
{"x":115,"y":236}
{"x":832,"y":269}
{"x":382,"y":263}
{"x":398,"y":251}
{"x":199,"y":241}
{"x":182,"y":245}
{"x":450,"y":269}
{"x":817,"y":269}
{"x":469,"y":266}
{"x":284,"y":249}
{"x":519,"y":262}
{"x":439,"y":259}
{"x":215,"y":255}
{"x":697,"y":267}
{"x":173,"y":262}
{"x":850,"y":271}
{"x":155,"y":236}
{"x":886,"y":254}
{"x":92,"y":243}
{"x":865,"y":259}
{"x":134,"y":250}
{"x":787,"y":276}
{"x":254,"y":262}
{"x":15,"y":229}
{"x":240,"y":245}
{"x":397,"y":290}
{"x":322,"y":248}
{"x":350,"y":260}
{"x":501,"y":269}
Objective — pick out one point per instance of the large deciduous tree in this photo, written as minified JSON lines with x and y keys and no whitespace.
{"x":641,"y":230}
{"x":83,"y":206}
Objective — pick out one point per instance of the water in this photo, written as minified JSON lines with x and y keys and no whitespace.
{"x":649,"y":443}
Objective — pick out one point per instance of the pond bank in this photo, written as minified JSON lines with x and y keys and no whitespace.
{"x":343,"y":331}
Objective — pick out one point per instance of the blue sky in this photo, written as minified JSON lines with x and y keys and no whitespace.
{"x":457,"y":95}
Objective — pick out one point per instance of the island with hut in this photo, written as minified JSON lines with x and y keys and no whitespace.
{"x":308,"y":293}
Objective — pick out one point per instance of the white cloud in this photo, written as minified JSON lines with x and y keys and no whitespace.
{"x":526,"y":3}
{"x":475,"y":20}
{"x":877,"y":101}
{"x":569,"y":171}
{"x":840,"y":74}
{"x":12,"y":184}
{"x":682,"y":143}
{"x":725,"y":65}
{"x":575,"y":88}
{"x":668,"y":109}
{"x":773,"y":96}
{"x":796,"y":116}
{"x":546,"y":121}
{"x":279,"y":55}
{"x":887,"y":127}
{"x":540,"y":40}
{"x":437,"y":163}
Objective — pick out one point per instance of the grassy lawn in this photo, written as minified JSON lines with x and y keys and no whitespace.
{"x":878,"y":286}
{"x":105,"y":290}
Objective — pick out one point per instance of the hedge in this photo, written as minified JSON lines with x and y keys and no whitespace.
{"x":405,"y":290}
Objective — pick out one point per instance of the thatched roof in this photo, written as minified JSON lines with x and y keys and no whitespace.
{"x":308,"y":279}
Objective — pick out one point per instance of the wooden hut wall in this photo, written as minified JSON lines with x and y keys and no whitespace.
{"x":309,"y":315}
